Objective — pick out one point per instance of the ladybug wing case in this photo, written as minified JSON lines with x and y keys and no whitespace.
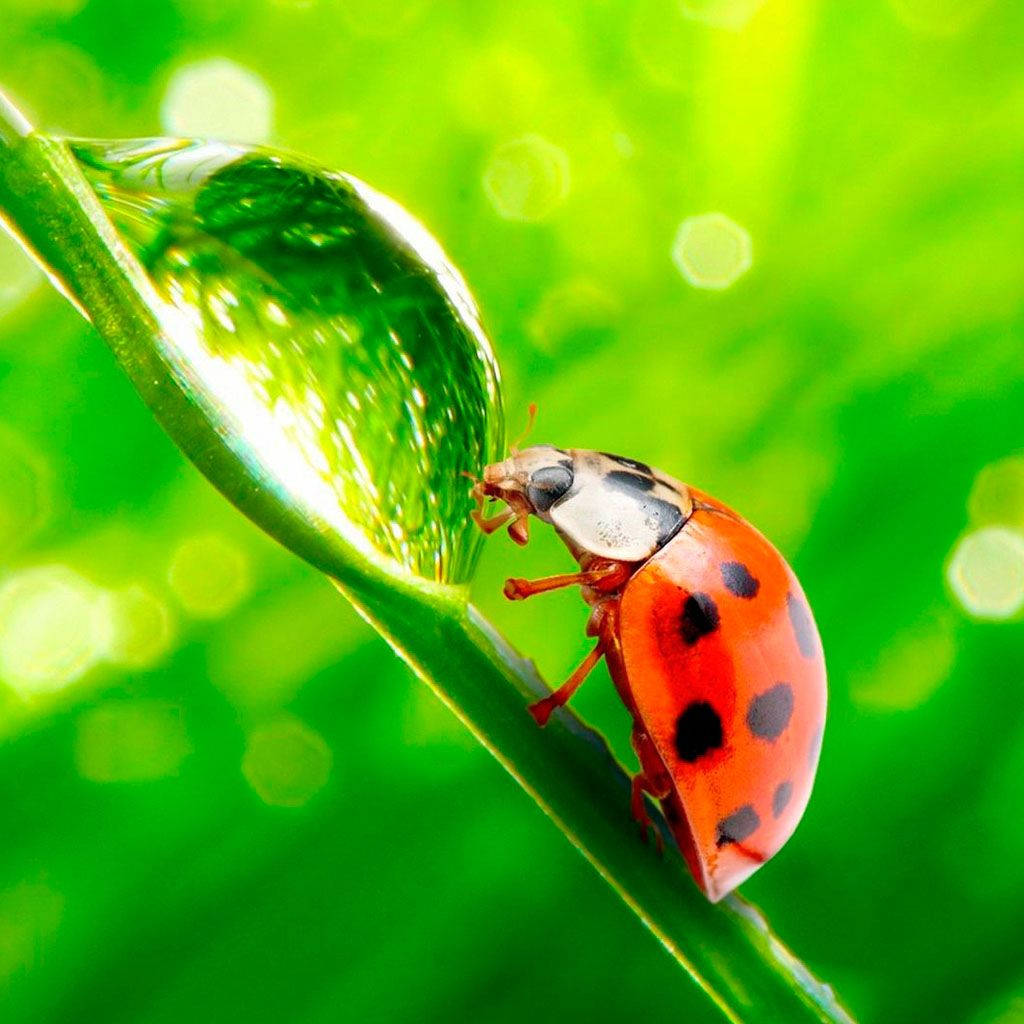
{"x":726,"y":672}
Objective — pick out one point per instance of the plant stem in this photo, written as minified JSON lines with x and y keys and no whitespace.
{"x":566,"y":768}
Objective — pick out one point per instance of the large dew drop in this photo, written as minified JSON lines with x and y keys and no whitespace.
{"x":320,"y":332}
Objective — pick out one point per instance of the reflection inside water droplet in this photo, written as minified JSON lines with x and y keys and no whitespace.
{"x":324,"y":335}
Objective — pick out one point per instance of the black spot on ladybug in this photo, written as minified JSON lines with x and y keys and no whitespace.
{"x":631,"y":483}
{"x":668,"y":518}
{"x":639,"y":467}
{"x":769,"y":712}
{"x":548,"y":484}
{"x":700,"y":617}
{"x":803,"y":626}
{"x":738,"y":580}
{"x":783,"y":792}
{"x":738,"y":826}
{"x":815,"y":748}
{"x":698,"y":731}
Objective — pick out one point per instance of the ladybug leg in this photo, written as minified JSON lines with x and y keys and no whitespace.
{"x":542,"y":709}
{"x":607,"y":577}
{"x":494,"y":522}
{"x":640,"y":785}
{"x":650,"y":779}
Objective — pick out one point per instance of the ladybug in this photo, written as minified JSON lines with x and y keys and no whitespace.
{"x":708,"y":638}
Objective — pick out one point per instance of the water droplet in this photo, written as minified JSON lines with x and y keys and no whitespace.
{"x":986,"y":572}
{"x":712,"y":251}
{"x":130,"y":741}
{"x":283,"y":290}
{"x":527,"y":179}
{"x":219,"y":99}
{"x":208,"y":575}
{"x":53,"y":629}
{"x":286,"y":763}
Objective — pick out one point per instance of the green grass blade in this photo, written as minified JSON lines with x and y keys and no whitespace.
{"x":389,"y":557}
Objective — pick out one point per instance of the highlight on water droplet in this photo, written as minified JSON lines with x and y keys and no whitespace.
{"x":130,"y":741}
{"x":527,"y":179}
{"x":209,"y":575}
{"x":141,"y":627}
{"x":53,"y":629}
{"x":997,"y":495}
{"x":730,"y":14}
{"x":712,"y":251}
{"x":286,"y":762}
{"x":986,"y":572}
{"x":26,"y":490}
{"x":218,"y":99}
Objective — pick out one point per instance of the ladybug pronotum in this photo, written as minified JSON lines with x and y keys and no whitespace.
{"x":708,"y":638}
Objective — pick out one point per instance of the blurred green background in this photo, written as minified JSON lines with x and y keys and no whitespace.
{"x":773,"y":248}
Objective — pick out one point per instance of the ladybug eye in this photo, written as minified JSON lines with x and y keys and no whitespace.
{"x":548,"y":484}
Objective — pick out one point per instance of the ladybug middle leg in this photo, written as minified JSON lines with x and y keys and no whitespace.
{"x":605,"y":577}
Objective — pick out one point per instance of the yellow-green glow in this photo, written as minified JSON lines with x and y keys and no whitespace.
{"x":218,"y":98}
{"x":730,"y":14}
{"x":53,"y":629}
{"x":130,"y":741}
{"x":986,"y":572}
{"x":286,"y":763}
{"x":527,"y":179}
{"x":939,"y":17}
{"x":712,"y":251}
{"x":208,"y":575}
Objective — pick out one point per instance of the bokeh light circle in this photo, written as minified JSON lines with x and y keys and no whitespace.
{"x":141,"y":627}
{"x":527,"y":179}
{"x":986,"y":572}
{"x":53,"y":629}
{"x":712,"y":251}
{"x":208,"y":575}
{"x":218,"y":99}
{"x":130,"y":741}
{"x":286,"y":763}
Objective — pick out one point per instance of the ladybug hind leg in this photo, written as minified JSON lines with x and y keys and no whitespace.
{"x":653,"y":779}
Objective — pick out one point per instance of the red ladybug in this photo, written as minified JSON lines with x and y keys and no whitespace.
{"x":708,"y":638}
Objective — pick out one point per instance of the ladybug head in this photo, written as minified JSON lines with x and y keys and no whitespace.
{"x":601,"y":505}
{"x":532,"y":480}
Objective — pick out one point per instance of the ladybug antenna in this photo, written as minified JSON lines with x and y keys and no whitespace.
{"x":531,"y":413}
